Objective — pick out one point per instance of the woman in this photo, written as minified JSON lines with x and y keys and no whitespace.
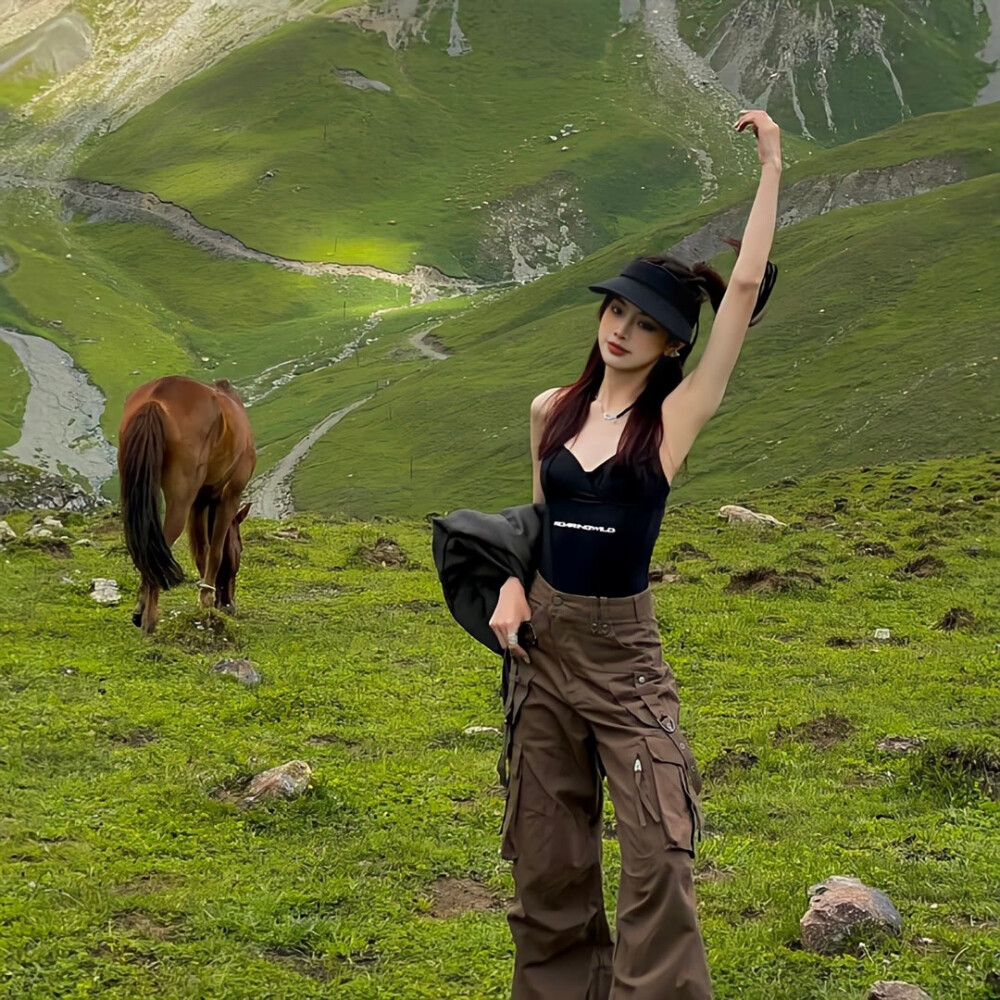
{"x":594,"y":696}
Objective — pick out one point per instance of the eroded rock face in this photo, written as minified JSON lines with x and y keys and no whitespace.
{"x":536,"y":229}
{"x":840,"y":909}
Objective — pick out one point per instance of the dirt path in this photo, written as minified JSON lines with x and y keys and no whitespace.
{"x":271,"y":494}
{"x":991,"y":53}
{"x":108,"y":202}
{"x":61,"y":431}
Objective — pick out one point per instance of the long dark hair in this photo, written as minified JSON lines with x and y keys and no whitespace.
{"x":640,"y":441}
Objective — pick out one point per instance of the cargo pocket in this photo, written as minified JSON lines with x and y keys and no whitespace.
{"x":675,"y":798}
{"x":643,"y":697}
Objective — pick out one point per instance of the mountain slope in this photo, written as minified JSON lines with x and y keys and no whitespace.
{"x":859,"y":356}
{"x":837,"y":71}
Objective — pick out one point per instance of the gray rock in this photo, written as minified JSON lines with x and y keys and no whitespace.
{"x":896,"y":989}
{"x":241,"y":670}
{"x":38,"y":531}
{"x":899,"y":744}
{"x":732,"y":512}
{"x":287,"y":781}
{"x":841,"y":907}
{"x":105,"y":591}
{"x":7,"y":533}
{"x":52,"y":522}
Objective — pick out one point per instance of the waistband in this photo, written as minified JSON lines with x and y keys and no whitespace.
{"x":635,"y":608}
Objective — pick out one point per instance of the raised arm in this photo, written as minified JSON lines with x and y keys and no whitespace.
{"x":690,"y":406}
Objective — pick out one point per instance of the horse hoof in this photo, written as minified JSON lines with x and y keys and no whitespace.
{"x":137,"y":619}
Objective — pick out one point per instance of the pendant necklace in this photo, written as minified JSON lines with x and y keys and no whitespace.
{"x":615,"y":416}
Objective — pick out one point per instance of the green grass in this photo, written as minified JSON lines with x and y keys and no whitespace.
{"x":122,"y":876}
{"x":13,"y":394}
{"x":932,"y":48}
{"x":880,"y":340}
{"x":395,"y":179}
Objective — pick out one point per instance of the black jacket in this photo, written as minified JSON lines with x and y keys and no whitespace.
{"x":476,"y":553}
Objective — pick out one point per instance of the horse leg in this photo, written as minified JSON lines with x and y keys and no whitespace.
{"x":225,"y":511}
{"x":173,"y":524}
{"x":197,"y":529}
{"x":140,"y":605}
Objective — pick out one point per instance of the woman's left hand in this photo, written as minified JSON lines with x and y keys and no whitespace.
{"x":767,"y":132}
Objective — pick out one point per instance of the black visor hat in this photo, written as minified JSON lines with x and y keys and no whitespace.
{"x":658,"y":294}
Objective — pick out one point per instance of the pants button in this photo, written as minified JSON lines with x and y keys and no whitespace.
{"x":641,"y":678}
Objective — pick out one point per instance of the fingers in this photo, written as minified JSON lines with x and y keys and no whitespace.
{"x":507,"y":637}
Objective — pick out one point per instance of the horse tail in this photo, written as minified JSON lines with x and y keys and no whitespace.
{"x":140,"y":463}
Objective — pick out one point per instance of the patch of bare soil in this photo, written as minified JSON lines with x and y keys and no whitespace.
{"x":730,"y":761}
{"x":922,"y":567}
{"x":957,"y":618}
{"x":385,"y":552}
{"x":765,"y":580}
{"x":821,"y":733}
{"x":451,"y":897}
{"x":137,"y":922}
{"x":874,"y":549}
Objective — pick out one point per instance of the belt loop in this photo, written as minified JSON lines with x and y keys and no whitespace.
{"x":602,"y":611}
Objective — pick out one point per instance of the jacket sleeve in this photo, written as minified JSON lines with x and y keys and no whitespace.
{"x":475,"y":554}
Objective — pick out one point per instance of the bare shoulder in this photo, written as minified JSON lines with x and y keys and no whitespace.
{"x":542,"y":402}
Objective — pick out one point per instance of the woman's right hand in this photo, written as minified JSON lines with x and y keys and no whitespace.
{"x":511,"y":611}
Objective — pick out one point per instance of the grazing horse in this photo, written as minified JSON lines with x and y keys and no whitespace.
{"x":192,"y":441}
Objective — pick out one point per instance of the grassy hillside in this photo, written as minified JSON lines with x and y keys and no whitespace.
{"x":880,"y":341}
{"x":124,"y":873}
{"x":13,"y":393}
{"x":415,"y":174}
{"x":131,"y":301}
{"x":845,"y":70}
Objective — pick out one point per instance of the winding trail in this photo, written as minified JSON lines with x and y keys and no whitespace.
{"x":271,"y":494}
{"x":109,"y":202}
{"x":991,"y":53}
{"x":61,"y":430}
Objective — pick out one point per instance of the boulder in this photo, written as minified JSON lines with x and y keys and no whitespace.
{"x":241,"y":670}
{"x":733,"y":513}
{"x":840,"y":909}
{"x":7,"y":533}
{"x":105,"y":591}
{"x":287,"y":781}
{"x":896,"y":989}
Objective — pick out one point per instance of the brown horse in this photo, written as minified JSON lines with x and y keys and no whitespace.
{"x":193,"y":442}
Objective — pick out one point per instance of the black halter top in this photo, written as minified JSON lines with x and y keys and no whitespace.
{"x":600,"y":525}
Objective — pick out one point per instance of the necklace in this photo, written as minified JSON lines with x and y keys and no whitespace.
{"x":614,"y":416}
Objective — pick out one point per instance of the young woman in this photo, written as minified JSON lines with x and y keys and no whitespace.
{"x":592,"y":695}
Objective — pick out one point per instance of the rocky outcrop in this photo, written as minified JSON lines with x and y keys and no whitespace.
{"x":26,"y":488}
{"x":816,"y":196}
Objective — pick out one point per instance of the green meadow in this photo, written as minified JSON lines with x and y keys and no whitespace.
{"x":126,"y":870}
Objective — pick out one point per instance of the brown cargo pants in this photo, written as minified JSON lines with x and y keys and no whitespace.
{"x":598,"y":698}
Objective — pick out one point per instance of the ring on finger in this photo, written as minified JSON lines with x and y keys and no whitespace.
{"x":511,"y":638}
